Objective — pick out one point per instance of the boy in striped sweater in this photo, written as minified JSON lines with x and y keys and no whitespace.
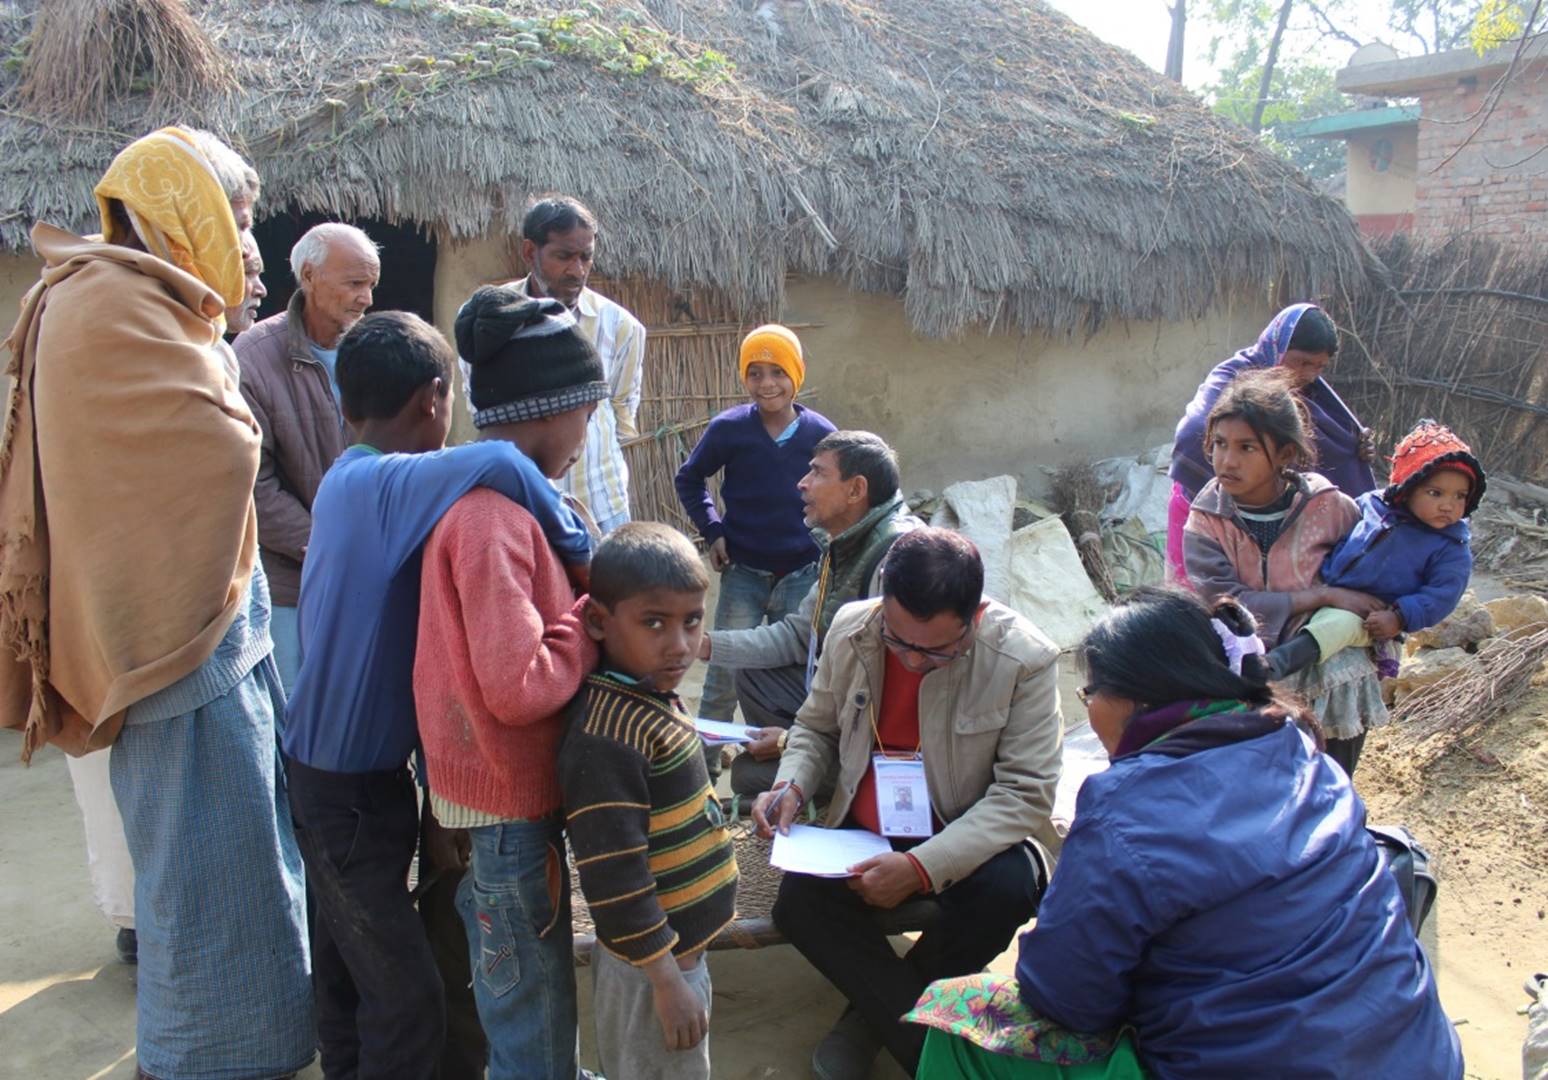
{"x":650,"y":841}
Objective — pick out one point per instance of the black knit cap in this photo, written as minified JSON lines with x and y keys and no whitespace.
{"x":526,"y":357}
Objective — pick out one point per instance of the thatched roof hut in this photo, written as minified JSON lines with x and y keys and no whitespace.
{"x":992,"y":163}
{"x":890,"y":171}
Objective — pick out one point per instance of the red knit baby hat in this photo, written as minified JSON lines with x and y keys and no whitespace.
{"x":1428,"y":447}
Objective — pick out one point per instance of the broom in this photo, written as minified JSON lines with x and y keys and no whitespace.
{"x":1079,"y":497}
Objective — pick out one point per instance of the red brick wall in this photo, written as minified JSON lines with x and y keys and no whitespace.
{"x":1495,"y":186}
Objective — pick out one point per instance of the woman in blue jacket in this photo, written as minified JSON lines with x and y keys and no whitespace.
{"x":1218,"y":894}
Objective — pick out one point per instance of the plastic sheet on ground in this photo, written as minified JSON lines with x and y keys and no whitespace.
{"x":1132,"y":556}
{"x":1049,"y":583}
{"x":1143,"y":488}
{"x":982,"y":511}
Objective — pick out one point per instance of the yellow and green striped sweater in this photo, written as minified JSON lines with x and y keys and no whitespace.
{"x":650,"y":841}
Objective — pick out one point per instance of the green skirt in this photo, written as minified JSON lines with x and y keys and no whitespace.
{"x":980,"y":1028}
{"x":949,"y":1056}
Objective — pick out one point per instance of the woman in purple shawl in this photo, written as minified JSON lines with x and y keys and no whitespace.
{"x":1302,"y":340}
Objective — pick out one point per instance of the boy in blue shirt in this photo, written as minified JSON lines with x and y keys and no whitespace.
{"x":761,"y":544}
{"x":351,"y":724}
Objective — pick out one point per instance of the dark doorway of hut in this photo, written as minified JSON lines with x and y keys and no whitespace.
{"x":408,"y":262}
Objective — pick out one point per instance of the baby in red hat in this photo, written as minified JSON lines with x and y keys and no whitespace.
{"x":1408,"y":556}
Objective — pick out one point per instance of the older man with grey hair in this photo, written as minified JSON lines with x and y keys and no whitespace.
{"x":288,"y":380}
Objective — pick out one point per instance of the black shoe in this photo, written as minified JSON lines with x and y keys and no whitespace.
{"x":128,"y":947}
{"x":847,"y":1051}
{"x":1301,"y":651}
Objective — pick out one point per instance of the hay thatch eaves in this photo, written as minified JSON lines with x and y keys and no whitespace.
{"x":991,"y":163}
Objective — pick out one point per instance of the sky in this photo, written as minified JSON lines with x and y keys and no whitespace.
{"x":1142,"y":27}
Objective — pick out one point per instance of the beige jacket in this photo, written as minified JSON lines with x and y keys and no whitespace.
{"x":990,"y":729}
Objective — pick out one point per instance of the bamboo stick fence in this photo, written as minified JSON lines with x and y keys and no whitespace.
{"x":1457,"y":331}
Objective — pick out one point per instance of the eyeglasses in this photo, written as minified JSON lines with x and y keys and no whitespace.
{"x":897,"y":644}
{"x":1084,"y":693}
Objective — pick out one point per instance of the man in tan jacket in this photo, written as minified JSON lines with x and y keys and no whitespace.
{"x":940,"y":709}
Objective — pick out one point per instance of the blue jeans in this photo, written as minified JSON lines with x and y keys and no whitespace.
{"x":747,"y":597}
{"x":515,"y":903}
{"x":285,"y":629}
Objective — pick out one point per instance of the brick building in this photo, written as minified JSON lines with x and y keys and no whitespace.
{"x":1440,"y":165}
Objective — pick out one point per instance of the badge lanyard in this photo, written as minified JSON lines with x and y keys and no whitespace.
{"x":902,"y":796}
{"x":824,"y":579}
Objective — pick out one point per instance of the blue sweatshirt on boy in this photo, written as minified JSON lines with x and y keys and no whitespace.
{"x":1396,"y":557}
{"x":352,"y":708}
{"x":763,"y":522}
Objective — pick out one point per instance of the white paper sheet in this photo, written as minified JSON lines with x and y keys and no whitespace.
{"x":721,"y":731}
{"x":824,"y":852}
{"x":1083,"y":756}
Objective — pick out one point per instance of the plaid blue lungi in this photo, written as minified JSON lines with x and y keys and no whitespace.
{"x":224,"y":974}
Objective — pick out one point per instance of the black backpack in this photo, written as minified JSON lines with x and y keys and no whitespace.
{"x":1409,"y":862}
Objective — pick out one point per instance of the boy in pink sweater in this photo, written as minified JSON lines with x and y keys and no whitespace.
{"x":501,"y":651}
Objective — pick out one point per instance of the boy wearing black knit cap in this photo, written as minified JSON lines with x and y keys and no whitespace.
{"x":501,"y":652}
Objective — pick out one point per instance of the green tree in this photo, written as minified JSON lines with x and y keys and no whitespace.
{"x":1264,"y":84}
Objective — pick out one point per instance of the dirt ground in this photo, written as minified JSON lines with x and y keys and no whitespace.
{"x":1480,"y":811}
{"x":67,"y":1007}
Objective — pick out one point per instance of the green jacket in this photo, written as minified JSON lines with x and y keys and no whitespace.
{"x":852,"y":562}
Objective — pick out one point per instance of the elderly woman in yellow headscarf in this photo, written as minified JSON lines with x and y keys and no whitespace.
{"x":133,"y":613}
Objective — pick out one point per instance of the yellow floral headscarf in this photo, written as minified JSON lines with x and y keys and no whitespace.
{"x":178,"y":209}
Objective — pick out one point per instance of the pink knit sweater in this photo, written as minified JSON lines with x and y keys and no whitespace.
{"x":501,"y":651}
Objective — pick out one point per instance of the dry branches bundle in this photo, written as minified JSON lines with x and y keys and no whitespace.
{"x":1463,"y":702}
{"x":1458,"y":332}
{"x":87,"y":54}
{"x":1079,"y":497}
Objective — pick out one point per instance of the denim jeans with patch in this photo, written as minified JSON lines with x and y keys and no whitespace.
{"x":515,"y":903}
{"x":747,"y":598}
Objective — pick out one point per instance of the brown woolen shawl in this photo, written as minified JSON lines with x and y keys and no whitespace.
{"x":127,"y":526}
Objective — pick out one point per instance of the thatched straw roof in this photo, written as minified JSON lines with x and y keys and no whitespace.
{"x":992,"y":163}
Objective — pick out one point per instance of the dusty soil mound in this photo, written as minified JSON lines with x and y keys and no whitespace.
{"x":1482,"y":810}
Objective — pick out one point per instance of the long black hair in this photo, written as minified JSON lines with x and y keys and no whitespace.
{"x":1157,"y":646}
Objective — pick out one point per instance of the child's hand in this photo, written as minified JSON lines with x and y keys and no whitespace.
{"x":684,"y":1019}
{"x":720,"y":558}
{"x":1362,"y":604}
{"x":1384,"y":625}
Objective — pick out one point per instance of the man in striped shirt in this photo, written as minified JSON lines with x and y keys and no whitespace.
{"x":558,"y":239}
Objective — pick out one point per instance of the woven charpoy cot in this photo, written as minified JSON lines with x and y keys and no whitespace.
{"x":757,"y":886}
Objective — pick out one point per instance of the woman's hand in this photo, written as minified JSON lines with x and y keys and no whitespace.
{"x":1362,"y":604}
{"x":1367,"y":448}
{"x":767,"y":745}
{"x":1384,"y":625}
{"x":719,"y":557}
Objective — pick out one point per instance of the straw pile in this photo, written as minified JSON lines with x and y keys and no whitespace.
{"x":87,"y":54}
{"x":1461,"y":704}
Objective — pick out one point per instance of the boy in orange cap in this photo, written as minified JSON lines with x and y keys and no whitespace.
{"x":1406,"y":562}
{"x":760,"y":544}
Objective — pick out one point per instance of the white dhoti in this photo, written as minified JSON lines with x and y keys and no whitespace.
{"x":107,"y":853}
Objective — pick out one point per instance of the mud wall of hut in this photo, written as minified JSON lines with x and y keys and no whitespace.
{"x":978,"y":406}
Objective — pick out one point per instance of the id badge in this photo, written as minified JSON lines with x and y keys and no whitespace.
{"x":902,"y":799}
